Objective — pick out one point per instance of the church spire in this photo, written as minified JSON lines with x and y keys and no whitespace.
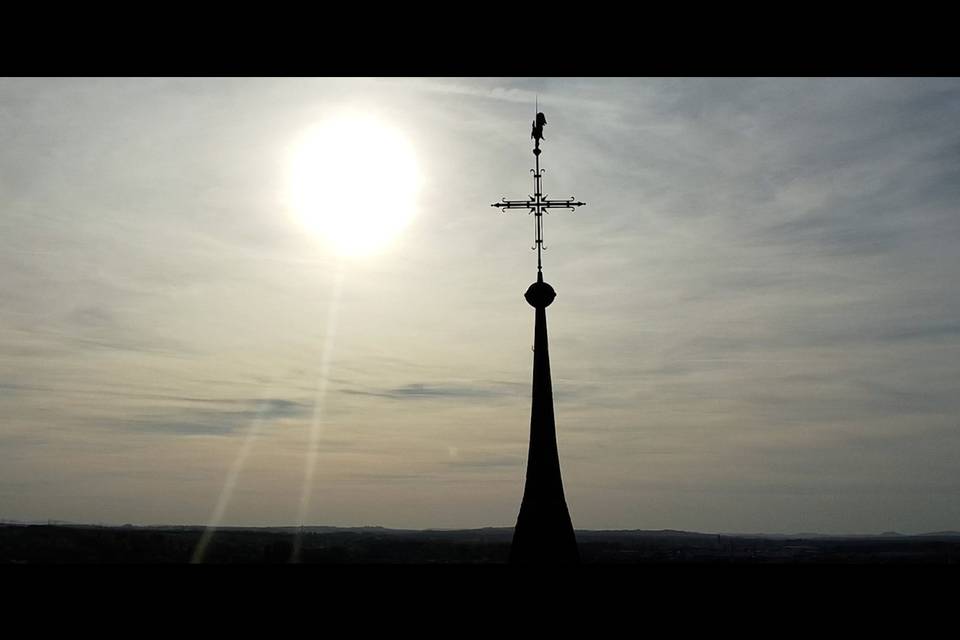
{"x":544,"y":531}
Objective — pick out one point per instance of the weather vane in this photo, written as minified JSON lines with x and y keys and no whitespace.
{"x":538,"y":203}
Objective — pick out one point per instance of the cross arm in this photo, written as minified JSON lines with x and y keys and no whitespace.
{"x":561,"y":204}
{"x":515,"y":204}
{"x":542,"y":204}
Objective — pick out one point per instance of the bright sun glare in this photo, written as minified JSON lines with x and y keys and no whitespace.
{"x":353,"y":181}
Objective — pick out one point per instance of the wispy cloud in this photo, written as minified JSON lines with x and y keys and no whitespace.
{"x":235,"y":417}
{"x":416,"y":391}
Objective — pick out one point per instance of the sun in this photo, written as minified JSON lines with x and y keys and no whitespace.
{"x":353,"y":180}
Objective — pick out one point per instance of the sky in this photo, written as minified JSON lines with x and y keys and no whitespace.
{"x":756,"y":329}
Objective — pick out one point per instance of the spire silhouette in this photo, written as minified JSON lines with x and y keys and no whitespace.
{"x":544,"y":532}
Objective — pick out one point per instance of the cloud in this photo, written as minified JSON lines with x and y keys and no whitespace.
{"x":417,"y":391}
{"x":188,"y":420}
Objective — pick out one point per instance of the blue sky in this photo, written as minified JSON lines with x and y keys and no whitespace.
{"x":756,"y":326}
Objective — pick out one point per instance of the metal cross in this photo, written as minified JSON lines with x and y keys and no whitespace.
{"x":538,"y":203}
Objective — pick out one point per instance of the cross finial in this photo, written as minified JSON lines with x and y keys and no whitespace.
{"x":538,"y":202}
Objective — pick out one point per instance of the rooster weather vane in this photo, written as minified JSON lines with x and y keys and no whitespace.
{"x":537,"y":133}
{"x":538,"y":203}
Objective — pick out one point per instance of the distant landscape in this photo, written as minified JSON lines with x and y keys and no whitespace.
{"x":66,"y":543}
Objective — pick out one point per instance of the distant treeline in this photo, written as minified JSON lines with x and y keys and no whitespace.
{"x":68,"y":544}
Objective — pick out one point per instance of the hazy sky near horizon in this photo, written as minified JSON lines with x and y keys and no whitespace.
{"x":757,"y":325}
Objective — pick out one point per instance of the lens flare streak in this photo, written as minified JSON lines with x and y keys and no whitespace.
{"x":253,"y":433}
{"x":316,"y":426}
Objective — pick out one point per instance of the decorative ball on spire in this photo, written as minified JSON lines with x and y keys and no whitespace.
{"x":540,"y":294}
